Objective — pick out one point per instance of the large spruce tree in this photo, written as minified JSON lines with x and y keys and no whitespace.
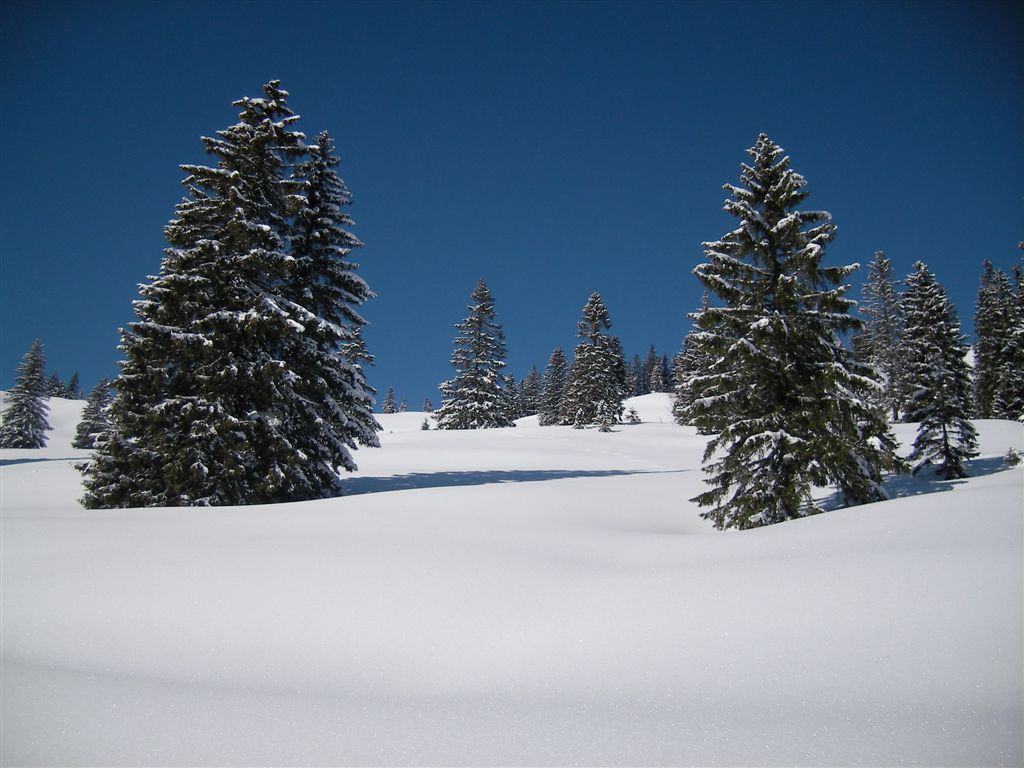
{"x":23,"y":423}
{"x":791,"y":400}
{"x":938,"y":378}
{"x":880,"y":341}
{"x":333,"y":406}
{"x":231,"y":360}
{"x":597,"y":379}
{"x":476,"y":398}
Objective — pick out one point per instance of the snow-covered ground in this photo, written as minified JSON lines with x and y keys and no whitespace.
{"x":540,"y":596}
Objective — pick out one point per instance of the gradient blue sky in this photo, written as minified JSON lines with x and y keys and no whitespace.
{"x":554,"y":149}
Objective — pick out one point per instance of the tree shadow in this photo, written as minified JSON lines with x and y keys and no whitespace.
{"x":356,"y":486}
{"x":13,"y":462}
{"x":924,"y":482}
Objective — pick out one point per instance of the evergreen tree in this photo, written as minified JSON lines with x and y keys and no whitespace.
{"x":788,"y":394}
{"x":214,"y":402}
{"x":476,"y":397}
{"x":656,"y":379}
{"x":94,"y":421}
{"x":55,"y":387}
{"x":530,"y":391}
{"x":998,"y":375}
{"x":330,"y":408}
{"x":389,"y":405}
{"x":879,"y":343}
{"x":428,"y":407}
{"x":634,"y":375}
{"x":556,"y":374}
{"x":513,"y":398}
{"x":938,"y":377}
{"x":692,"y":371}
{"x":403,"y":407}
{"x":23,"y":422}
{"x":74,"y":388}
{"x":597,"y":379}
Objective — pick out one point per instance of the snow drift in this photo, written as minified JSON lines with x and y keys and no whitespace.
{"x":528,"y":595}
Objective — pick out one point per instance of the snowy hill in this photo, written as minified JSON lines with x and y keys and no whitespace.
{"x":542,"y":596}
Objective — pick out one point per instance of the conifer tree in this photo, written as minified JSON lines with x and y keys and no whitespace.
{"x":788,"y":395}
{"x":23,"y":423}
{"x":597,"y":379}
{"x":530,"y":390}
{"x":403,"y":407}
{"x":476,"y":398}
{"x":996,"y":357}
{"x":55,"y":387}
{"x":94,"y":421}
{"x":223,"y":360}
{"x":428,"y":407}
{"x":390,"y":405}
{"x":330,"y":409}
{"x":938,"y":378}
{"x":634,"y":376}
{"x":879,"y":343}
{"x":555,"y":375}
{"x":74,"y":388}
{"x":656,"y":380}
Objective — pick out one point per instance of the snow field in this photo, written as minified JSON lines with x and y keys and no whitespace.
{"x":542,"y":596}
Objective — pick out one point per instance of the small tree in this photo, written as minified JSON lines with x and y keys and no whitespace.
{"x":597,"y":379}
{"x":94,"y":419}
{"x":74,"y":388}
{"x":938,"y":377}
{"x":389,"y":405}
{"x":428,"y":407}
{"x":880,"y":342}
{"x":555,"y":375}
{"x":530,"y":392}
{"x":23,"y":423}
{"x":476,"y":398}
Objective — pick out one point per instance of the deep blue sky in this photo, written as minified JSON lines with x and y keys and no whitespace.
{"x":554,"y":149}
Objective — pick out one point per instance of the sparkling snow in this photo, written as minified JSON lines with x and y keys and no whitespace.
{"x":541,"y":596}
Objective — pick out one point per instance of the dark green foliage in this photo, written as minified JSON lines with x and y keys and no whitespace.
{"x":390,"y":405}
{"x":73,"y":391}
{"x":239,"y":383}
{"x":880,"y":341}
{"x":597,"y":380}
{"x":784,"y":391}
{"x":23,"y":423}
{"x":556,"y":373}
{"x":94,"y":421}
{"x":938,"y":378}
{"x":477,"y":397}
{"x":998,"y":352}
{"x":530,"y":391}
{"x":55,"y":387}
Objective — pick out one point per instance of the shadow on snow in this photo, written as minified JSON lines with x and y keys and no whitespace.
{"x":925,"y":481}
{"x":359,"y":485}
{"x":13,"y":462}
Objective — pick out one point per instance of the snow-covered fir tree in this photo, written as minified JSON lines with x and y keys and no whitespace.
{"x":23,"y":423}
{"x":938,"y":378}
{"x":555,"y":375}
{"x":656,"y":379}
{"x":513,"y":398}
{"x":476,"y":397}
{"x":329,"y":410}
{"x":879,"y":343}
{"x":998,"y":373}
{"x":55,"y":386}
{"x":94,"y":421}
{"x":73,"y":390}
{"x":651,"y":372}
{"x":390,"y":405}
{"x":634,"y":376}
{"x":790,"y":397}
{"x":428,"y":407}
{"x":213,"y":404}
{"x":530,"y":390}
{"x":596,"y":384}
{"x":403,"y":407}
{"x":692,"y":362}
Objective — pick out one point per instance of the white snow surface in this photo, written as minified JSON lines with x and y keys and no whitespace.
{"x":534,"y":596}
